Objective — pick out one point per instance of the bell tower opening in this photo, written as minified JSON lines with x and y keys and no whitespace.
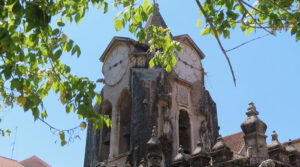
{"x":104,"y":151}
{"x":124,"y":112}
{"x":184,"y":131}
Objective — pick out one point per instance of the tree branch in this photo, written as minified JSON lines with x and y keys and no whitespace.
{"x":246,"y":43}
{"x":217,"y":37}
{"x":253,"y":18}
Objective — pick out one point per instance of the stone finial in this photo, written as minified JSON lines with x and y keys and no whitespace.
{"x":142,"y":163}
{"x":221,"y":152}
{"x":153,"y":140}
{"x":251,"y":110}
{"x":180,"y":155}
{"x":253,"y":124}
{"x":200,"y":157}
{"x":275,"y":143}
{"x":220,"y":144}
{"x":199,"y":149}
{"x":291,"y":148}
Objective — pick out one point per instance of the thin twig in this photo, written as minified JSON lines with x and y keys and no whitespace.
{"x":250,"y":6}
{"x":253,"y":17}
{"x":56,"y":129}
{"x":217,"y":37}
{"x":246,"y":42}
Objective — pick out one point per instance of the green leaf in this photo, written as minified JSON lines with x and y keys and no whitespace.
{"x":98,"y":99}
{"x":78,"y":18}
{"x":60,"y":23}
{"x":249,"y":30}
{"x":118,"y":25}
{"x":83,"y":125}
{"x":105,"y":7}
{"x":199,"y":22}
{"x":168,"y":68}
{"x":151,"y":63}
{"x":205,"y":31}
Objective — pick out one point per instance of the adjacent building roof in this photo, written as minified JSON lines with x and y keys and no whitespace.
{"x":5,"y":162}
{"x":34,"y":161}
{"x":235,"y":142}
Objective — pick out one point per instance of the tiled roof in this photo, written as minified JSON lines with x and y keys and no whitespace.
{"x":5,"y":162}
{"x":294,"y":141}
{"x":235,"y":142}
{"x":34,"y":162}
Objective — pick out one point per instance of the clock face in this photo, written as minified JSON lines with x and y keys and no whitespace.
{"x":115,"y":65}
{"x":188,"y":66}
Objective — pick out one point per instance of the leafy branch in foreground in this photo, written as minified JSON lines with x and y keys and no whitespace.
{"x":31,"y":45}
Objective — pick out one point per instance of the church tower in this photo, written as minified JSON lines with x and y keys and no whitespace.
{"x":137,"y":98}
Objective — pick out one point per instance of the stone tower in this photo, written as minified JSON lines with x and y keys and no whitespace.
{"x":137,"y":98}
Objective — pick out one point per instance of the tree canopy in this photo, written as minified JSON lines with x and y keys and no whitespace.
{"x":32,"y":43}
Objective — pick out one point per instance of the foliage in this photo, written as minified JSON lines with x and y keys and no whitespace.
{"x":31,"y":45}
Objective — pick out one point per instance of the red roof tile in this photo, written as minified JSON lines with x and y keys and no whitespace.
{"x":34,"y":162}
{"x":5,"y":162}
{"x":235,"y":142}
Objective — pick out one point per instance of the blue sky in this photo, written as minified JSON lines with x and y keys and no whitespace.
{"x":267,"y":73}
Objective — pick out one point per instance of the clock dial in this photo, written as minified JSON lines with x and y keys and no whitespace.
{"x":115,"y":65}
{"x":188,"y":66}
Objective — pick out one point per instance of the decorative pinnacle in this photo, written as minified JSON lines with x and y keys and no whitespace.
{"x":180,"y":149}
{"x":274,"y":136}
{"x":154,"y":132}
{"x":199,"y":143}
{"x":219,"y":138}
{"x":251,"y":110}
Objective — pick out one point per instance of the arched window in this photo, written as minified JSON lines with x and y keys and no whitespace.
{"x":105,"y":137}
{"x":124,"y":112}
{"x":184,"y":131}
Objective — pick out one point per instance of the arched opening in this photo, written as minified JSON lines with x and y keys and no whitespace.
{"x":124,"y":112}
{"x":184,"y":131}
{"x":105,"y":137}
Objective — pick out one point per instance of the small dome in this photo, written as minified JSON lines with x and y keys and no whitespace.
{"x":291,"y":148}
{"x":220,"y":145}
{"x":252,"y":122}
{"x":199,"y":149}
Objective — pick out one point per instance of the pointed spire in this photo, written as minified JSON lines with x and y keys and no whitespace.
{"x":156,"y":19}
